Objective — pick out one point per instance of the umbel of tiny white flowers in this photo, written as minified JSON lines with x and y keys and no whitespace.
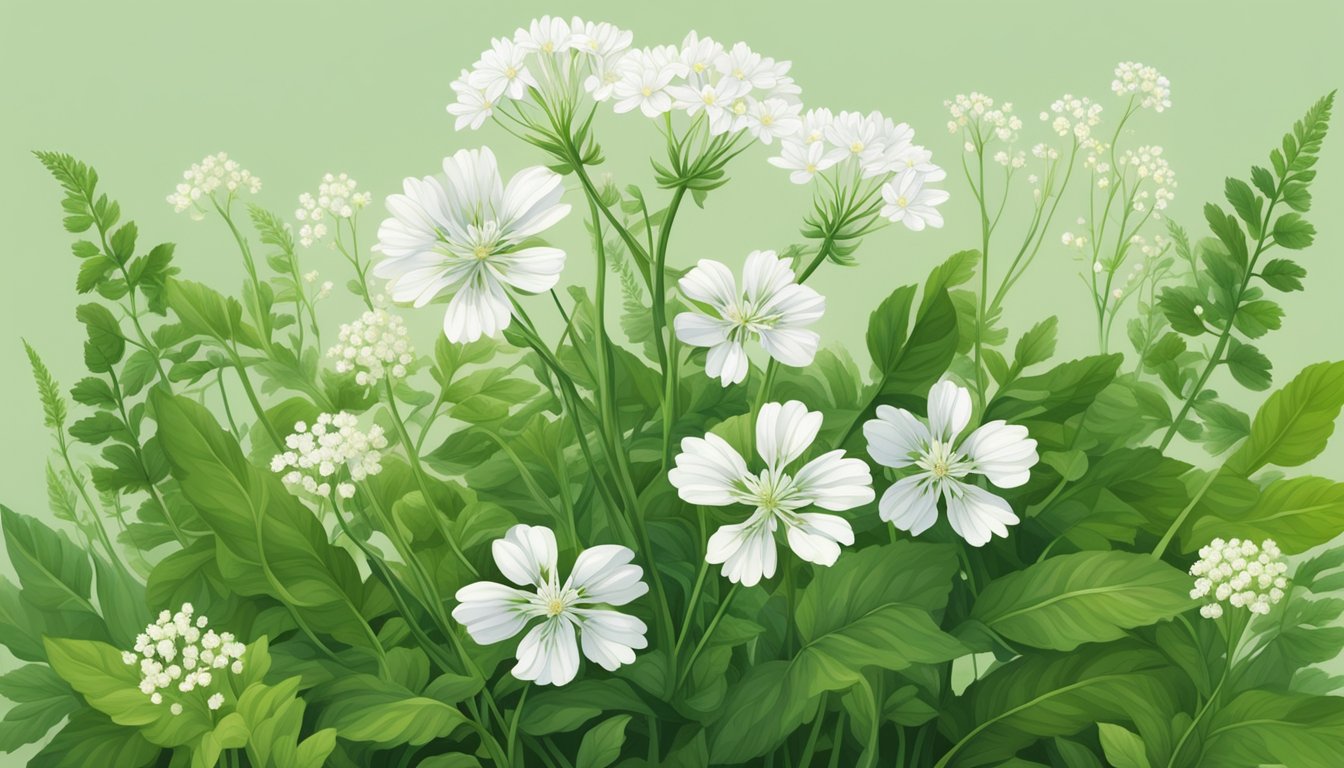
{"x":460,"y":235}
{"x":179,"y":654}
{"x":575,"y":613}
{"x":1001,"y":452}
{"x":333,"y":446}
{"x":373,"y":346}
{"x":336,"y":199}
{"x":214,"y":174}
{"x":769,"y":306}
{"x":1239,"y":573}
{"x":1145,"y":84}
{"x":709,"y":471}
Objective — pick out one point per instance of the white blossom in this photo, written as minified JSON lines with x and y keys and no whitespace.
{"x":1239,"y":573}
{"x":1145,"y":83}
{"x":214,"y":173}
{"x":179,"y":653}
{"x":336,"y":198}
{"x":1073,"y":116}
{"x":373,"y":346}
{"x":910,"y":203}
{"x":575,"y":613}
{"x":332,"y":448}
{"x":1001,"y":452}
{"x":711,"y":472}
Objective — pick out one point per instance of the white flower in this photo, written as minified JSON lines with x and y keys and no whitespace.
{"x":909,"y":202}
{"x":460,"y":235}
{"x":472,"y":108}
{"x":980,"y":120}
{"x":710,"y":472}
{"x":1148,"y":165}
{"x":772,"y":118}
{"x":213,"y":173}
{"x":373,"y":346}
{"x":547,"y":35}
{"x":336,"y":197}
{"x":1241,"y":574}
{"x":1145,"y":83}
{"x":769,"y":306}
{"x":852,"y":134}
{"x":697,"y":56}
{"x":608,"y":47}
{"x":313,"y":456}
{"x":502,"y":71}
{"x":1073,"y":116}
{"x":715,"y":101}
{"x":804,"y":160}
{"x":603,"y":576}
{"x":643,"y":83}
{"x":175,"y":655}
{"x":1001,"y":452}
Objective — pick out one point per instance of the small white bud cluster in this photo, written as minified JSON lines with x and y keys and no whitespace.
{"x":1074,"y":116}
{"x":336,"y":197}
{"x":1152,"y":89}
{"x":1241,"y":574}
{"x":180,"y":652}
{"x":315,"y":455}
{"x":373,"y":346}
{"x":203,"y":179}
{"x":977,"y":110}
{"x":1148,"y":164}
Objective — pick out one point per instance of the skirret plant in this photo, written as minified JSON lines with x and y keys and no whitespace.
{"x":675,"y":526}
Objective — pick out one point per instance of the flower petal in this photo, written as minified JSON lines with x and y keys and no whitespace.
{"x":699,"y":330}
{"x":531,"y":203}
{"x":526,"y":555}
{"x":910,"y":504}
{"x":895,"y":438}
{"x":710,"y":282}
{"x":727,"y":362}
{"x":976,"y":514}
{"x":609,"y":638}
{"x":535,"y":270}
{"x":784,"y":431}
{"x":791,"y":346}
{"x":1002,"y":452}
{"x":604,"y":574}
{"x":816,"y":538}
{"x":764,"y":275}
{"x":949,"y":410}
{"x":492,"y":612}
{"x":479,"y":308}
{"x":549,"y":654}
{"x":708,"y":471}
{"x":746,"y":550}
{"x":834,"y":482}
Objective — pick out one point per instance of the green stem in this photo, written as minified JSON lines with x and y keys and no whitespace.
{"x":1176,"y":524}
{"x":709,"y":632}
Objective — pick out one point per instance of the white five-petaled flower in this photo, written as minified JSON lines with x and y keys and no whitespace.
{"x":548,"y":654}
{"x":911,"y":203}
{"x":1001,"y":452}
{"x":769,"y":306}
{"x":460,"y":235}
{"x":709,"y":471}
{"x":804,"y":160}
{"x":502,"y":71}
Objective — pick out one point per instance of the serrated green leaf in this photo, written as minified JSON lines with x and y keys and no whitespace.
{"x":1256,"y":318}
{"x":105,"y":344}
{"x":1283,"y":274}
{"x":1293,"y":425}
{"x":1248,"y":366}
{"x":1294,"y":232}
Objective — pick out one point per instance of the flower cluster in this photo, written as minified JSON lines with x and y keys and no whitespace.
{"x":1152,"y":90}
{"x":211,"y":174}
{"x":977,"y":117}
{"x":1241,"y":574}
{"x":316,"y":455}
{"x":733,"y":88}
{"x":1147,"y":164}
{"x":1073,"y":116}
{"x":336,"y":197}
{"x":373,"y":346}
{"x":181,"y":651}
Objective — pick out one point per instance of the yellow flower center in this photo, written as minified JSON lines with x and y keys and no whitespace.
{"x":646,"y":90}
{"x":698,"y":66}
{"x":510,"y":73}
{"x":708,"y":98}
{"x":555,"y":606}
{"x":811,"y":167}
{"x":767,"y":120}
{"x":481,"y":252}
{"x":902,"y":202}
{"x":939,"y":468}
{"x":548,"y":47}
{"x":856,"y":147}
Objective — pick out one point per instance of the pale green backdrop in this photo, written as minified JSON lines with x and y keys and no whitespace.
{"x":293,"y":89}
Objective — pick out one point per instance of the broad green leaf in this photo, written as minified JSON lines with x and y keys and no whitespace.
{"x":1269,"y":727}
{"x":105,"y":344}
{"x":1179,"y":305}
{"x":42,"y":700}
{"x":54,"y":572}
{"x":1298,"y":513}
{"x":203,"y":310}
{"x":1123,"y":747}
{"x":1293,"y":231}
{"x":1224,"y":426}
{"x":1036,"y":345}
{"x":1248,"y":366}
{"x":1245,"y":202}
{"x":601,"y":746}
{"x":1256,"y":318}
{"x":1086,"y":597}
{"x":1283,"y":274}
{"x":568,"y":708}
{"x":1293,"y":425}
{"x":90,"y":739}
{"x":1061,"y":392}
{"x":369,"y":709}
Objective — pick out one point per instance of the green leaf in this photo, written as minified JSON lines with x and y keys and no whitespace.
{"x":564,"y":710}
{"x":90,"y":738}
{"x":1294,"y":232}
{"x":1036,"y":345}
{"x":54,"y":410}
{"x":121,"y":246}
{"x":1293,"y":425}
{"x":1248,"y":366}
{"x":54,"y":572}
{"x":1224,"y":426}
{"x":1268,"y":727}
{"x":93,"y":391}
{"x":1245,"y":202}
{"x":1086,"y":597}
{"x":105,"y":344}
{"x":601,"y":746}
{"x":203,"y":310}
{"x":42,"y":701}
{"x":99,"y":427}
{"x":1298,"y":513}
{"x":1178,"y":305}
{"x":1123,"y":747}
{"x":370,"y":709}
{"x":1283,"y":274}
{"x":1256,"y":318}
{"x":1056,"y":395}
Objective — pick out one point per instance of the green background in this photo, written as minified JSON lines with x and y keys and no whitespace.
{"x":294,"y":89}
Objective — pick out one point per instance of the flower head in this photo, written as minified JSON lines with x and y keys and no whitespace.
{"x":574,"y":613}
{"x":334,"y":448}
{"x":1147,"y":85}
{"x":214,"y":174}
{"x":709,"y":471}
{"x":336,"y":198}
{"x":1073,"y":116}
{"x":460,"y":235}
{"x":769,"y":306}
{"x":179,"y":653}
{"x":910,"y":203}
{"x":1239,"y":573}
{"x":1001,"y":452}
{"x":373,"y":346}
